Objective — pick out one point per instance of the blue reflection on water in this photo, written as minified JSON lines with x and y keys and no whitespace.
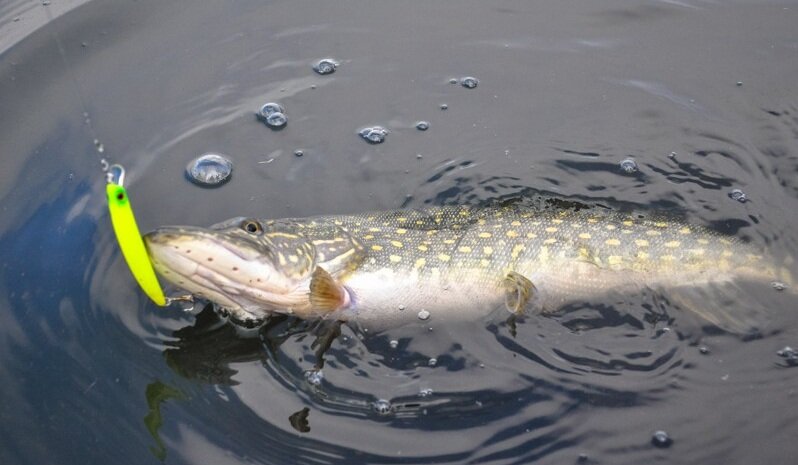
{"x":61,"y":375}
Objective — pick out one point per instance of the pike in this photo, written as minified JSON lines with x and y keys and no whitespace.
{"x":388,"y":268}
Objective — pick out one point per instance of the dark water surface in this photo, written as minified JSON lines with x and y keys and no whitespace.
{"x":92,"y":372}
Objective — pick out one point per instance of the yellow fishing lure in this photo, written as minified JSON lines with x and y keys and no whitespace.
{"x":129,"y":238}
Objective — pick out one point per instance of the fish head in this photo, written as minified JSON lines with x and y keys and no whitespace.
{"x":241,"y":264}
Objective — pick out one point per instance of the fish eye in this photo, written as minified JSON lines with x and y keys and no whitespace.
{"x":251,"y":226}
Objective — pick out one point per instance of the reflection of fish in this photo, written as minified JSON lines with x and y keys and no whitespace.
{"x":387,"y":268}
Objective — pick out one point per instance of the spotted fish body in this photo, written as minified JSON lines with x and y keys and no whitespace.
{"x":385,"y":269}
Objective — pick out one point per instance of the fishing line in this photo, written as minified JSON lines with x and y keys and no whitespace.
{"x":78,"y":92}
{"x":123,"y":221}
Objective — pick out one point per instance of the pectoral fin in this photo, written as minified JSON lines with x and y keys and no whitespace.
{"x":326,"y":294}
{"x":518,"y":291}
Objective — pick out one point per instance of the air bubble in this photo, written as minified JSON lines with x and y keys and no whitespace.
{"x":394,"y":343}
{"x":432,"y":362}
{"x":374,"y":135}
{"x":704,"y":350}
{"x":423,"y":315}
{"x":778,"y":285}
{"x":209,"y":170}
{"x":661,"y":439}
{"x":628,"y":166}
{"x":788,"y":353}
{"x":425,"y":392}
{"x":469,"y":82}
{"x":325,"y":66}
{"x":314,"y":377}
{"x":272,"y":115}
{"x":382,"y":407}
{"x":270,"y":108}
{"x":422,"y":125}
{"x":298,"y":153}
{"x":738,"y":195}
{"x":276,"y":120}
{"x":444,"y":106}
{"x":452,"y":81}
{"x":401,"y":307}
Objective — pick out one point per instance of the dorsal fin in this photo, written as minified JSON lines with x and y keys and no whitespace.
{"x":326,"y":295}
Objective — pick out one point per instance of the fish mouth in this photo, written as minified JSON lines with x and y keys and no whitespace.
{"x":229,"y":271}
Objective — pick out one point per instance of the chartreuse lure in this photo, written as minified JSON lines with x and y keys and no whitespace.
{"x":129,"y":238}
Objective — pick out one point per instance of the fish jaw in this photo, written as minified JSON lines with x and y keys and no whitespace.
{"x":229,"y":271}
